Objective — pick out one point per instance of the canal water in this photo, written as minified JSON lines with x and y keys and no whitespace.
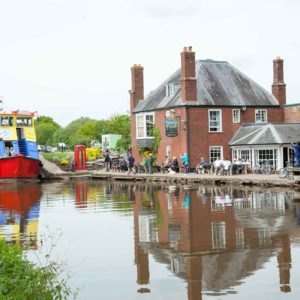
{"x":140,"y":241}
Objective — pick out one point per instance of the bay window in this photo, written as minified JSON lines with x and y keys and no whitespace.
{"x":144,"y":125}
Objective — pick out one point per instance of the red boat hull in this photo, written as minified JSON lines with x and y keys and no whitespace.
{"x":19,"y":167}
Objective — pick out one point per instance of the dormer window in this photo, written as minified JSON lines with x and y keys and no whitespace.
{"x":172,"y":88}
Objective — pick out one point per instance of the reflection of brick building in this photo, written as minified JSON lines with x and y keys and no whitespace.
{"x":199,"y":108}
{"x":199,"y":232}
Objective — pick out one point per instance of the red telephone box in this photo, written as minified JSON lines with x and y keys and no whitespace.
{"x":80,"y":158}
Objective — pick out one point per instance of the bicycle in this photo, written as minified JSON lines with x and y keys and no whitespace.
{"x":286,"y":172}
{"x":263,"y":167}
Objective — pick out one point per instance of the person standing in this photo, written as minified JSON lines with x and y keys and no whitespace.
{"x":186,"y":162}
{"x":131,"y":164}
{"x":297,"y":154}
{"x":150,"y":163}
{"x":107,"y":162}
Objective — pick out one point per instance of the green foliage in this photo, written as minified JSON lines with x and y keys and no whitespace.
{"x":20,"y":279}
{"x":119,"y":124}
{"x":67,"y":135}
{"x":45,"y":127}
{"x":45,"y":120}
{"x":157,"y":139}
{"x":45,"y":133}
{"x":82,"y":131}
{"x":123,"y":143}
{"x":144,"y":152}
{"x":58,"y":157}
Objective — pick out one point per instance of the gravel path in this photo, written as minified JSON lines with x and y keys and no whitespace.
{"x":51,"y":168}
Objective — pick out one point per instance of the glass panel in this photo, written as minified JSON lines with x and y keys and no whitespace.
{"x":215,"y":152}
{"x":260,"y":116}
{"x":149,"y":125}
{"x":214,"y":120}
{"x":140,"y":131}
{"x":6,"y":121}
{"x":267,"y":154}
{"x":236,"y":116}
{"x":24,"y":121}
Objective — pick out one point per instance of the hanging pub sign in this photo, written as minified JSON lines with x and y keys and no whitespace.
{"x":171,"y":126}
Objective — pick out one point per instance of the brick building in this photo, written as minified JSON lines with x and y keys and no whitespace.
{"x":200,"y":107}
{"x":292,"y":113}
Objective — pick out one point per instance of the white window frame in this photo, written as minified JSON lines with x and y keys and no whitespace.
{"x":236,"y":153}
{"x":258,"y":116}
{"x":219,"y":128}
{"x":144,"y":115}
{"x":236,"y":116}
{"x":218,"y":232}
{"x":221,"y":152}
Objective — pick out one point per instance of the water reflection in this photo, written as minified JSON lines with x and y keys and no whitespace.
{"x":19,"y":213}
{"x":211,"y":238}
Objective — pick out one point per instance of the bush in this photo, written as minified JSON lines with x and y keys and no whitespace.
{"x":59,"y":157}
{"x":21,"y":279}
{"x":93,"y":153}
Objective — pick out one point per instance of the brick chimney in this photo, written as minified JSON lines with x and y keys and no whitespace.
{"x":137,"y":86}
{"x":278,"y":86}
{"x":188,"y":76}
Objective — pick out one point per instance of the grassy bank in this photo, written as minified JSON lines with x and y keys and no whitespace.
{"x":22,"y":279}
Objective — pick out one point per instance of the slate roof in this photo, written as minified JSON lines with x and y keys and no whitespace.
{"x":266,"y":134}
{"x":218,"y":84}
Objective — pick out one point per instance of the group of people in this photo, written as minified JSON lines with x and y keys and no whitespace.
{"x":221,"y":166}
{"x":126,"y":163}
{"x":172,"y":166}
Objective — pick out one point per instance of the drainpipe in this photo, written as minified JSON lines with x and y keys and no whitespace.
{"x":188,"y":132}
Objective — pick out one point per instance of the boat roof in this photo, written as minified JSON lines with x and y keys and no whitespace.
{"x":18,"y":113}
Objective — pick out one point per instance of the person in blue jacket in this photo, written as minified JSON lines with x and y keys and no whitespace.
{"x":297,"y":154}
{"x":186,"y":162}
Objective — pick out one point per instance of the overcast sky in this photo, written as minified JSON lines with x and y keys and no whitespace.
{"x":72,"y":58}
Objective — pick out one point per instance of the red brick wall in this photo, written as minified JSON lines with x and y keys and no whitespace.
{"x":177,"y":144}
{"x":188,"y":76}
{"x":278,"y":86}
{"x":199,"y":137}
{"x":136,"y":94}
{"x":292,"y":113}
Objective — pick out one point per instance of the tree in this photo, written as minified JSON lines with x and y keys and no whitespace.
{"x":67,"y":135}
{"x":45,"y":128}
{"x":120,"y":124}
{"x":45,"y":119}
